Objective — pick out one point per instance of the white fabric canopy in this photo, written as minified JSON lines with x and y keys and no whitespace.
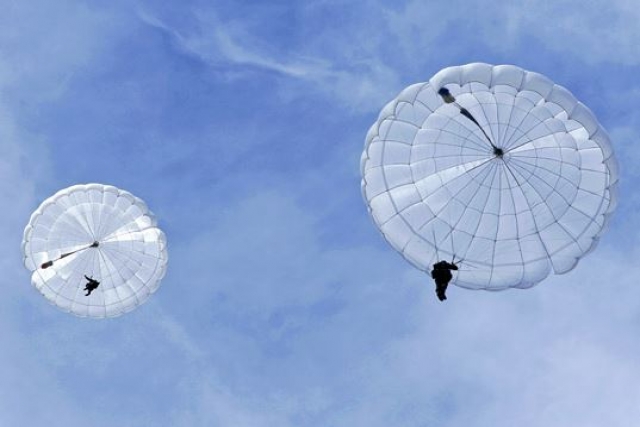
{"x":104,"y":233}
{"x":526,"y":190}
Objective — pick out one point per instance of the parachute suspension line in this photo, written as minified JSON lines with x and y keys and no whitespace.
{"x":512,"y":174}
{"x":497,"y":151}
{"x":49,"y":263}
{"x":435,"y":244}
{"x":453,"y":251}
{"x":450,"y":99}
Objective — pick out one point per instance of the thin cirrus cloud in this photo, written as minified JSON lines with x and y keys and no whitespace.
{"x":216,"y":46}
{"x":357,"y":86}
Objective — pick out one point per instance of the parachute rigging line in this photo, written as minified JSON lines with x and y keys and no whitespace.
{"x":50,"y":262}
{"x":450,"y":99}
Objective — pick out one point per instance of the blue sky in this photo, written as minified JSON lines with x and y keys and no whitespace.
{"x":241,"y":124}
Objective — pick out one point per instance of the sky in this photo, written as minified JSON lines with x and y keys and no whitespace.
{"x":241,"y":124}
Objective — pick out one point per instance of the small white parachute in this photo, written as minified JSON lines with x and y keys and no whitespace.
{"x":96,"y":232}
{"x":493,"y":165}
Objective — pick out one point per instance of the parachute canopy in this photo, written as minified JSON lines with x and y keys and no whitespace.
{"x":493,"y":165}
{"x":95,"y":232}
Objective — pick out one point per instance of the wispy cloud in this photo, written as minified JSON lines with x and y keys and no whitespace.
{"x":362,"y":85}
{"x":216,"y":45}
{"x":605,"y":32}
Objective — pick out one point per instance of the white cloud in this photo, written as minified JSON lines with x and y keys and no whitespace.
{"x":603,"y":31}
{"x":217,"y":44}
{"x":362,"y":85}
{"x":363,"y":61}
{"x":600,"y":32}
{"x":40,"y":50}
{"x":389,"y":353}
{"x":24,"y":379}
{"x":45,"y":44}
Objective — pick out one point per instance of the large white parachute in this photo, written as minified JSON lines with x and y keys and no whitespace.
{"x":493,"y":165}
{"x":99,"y":232}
